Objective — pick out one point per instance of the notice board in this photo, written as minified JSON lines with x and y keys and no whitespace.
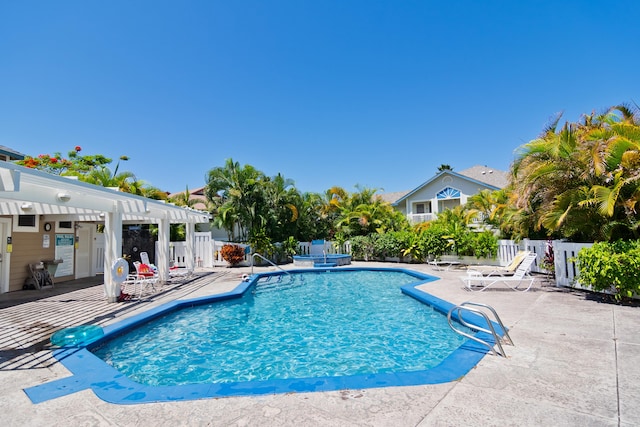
{"x":64,"y":251}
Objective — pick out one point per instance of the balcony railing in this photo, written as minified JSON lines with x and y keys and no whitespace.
{"x":418,"y":218}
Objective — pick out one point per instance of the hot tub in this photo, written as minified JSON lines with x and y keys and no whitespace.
{"x":329,"y":260}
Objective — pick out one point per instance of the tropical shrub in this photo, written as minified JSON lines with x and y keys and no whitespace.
{"x":362,"y":247}
{"x":390,"y":244}
{"x":485,"y":245}
{"x":290,"y":247}
{"x":434,"y":241}
{"x":233,"y":254}
{"x":611,"y":267}
{"x":415,"y":247}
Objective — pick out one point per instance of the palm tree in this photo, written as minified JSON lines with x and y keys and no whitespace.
{"x":184,"y":199}
{"x":237,"y":193}
{"x":490,"y":207}
{"x":280,"y":208}
{"x":104,"y":177}
{"x":581,"y":182}
{"x":362,"y":213}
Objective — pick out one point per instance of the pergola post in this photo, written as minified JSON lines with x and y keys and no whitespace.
{"x":113,"y":249}
{"x":190,"y":237}
{"x":163,"y":249}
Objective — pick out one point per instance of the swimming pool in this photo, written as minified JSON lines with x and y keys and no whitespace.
{"x":114,"y":386}
{"x":304,"y":325}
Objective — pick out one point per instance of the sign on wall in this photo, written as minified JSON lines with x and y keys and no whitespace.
{"x":64,"y":251}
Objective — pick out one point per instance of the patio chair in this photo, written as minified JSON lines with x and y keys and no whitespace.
{"x":508,"y":270}
{"x":477,"y":282}
{"x":145,"y":278}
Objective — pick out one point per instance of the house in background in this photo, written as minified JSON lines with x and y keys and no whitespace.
{"x":7,"y":154}
{"x":197,"y":198}
{"x":198,"y":201}
{"x":446,"y":190}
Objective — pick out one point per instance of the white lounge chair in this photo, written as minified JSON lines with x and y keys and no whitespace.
{"x":508,"y":270}
{"x":179,"y":272}
{"x":521,"y":278}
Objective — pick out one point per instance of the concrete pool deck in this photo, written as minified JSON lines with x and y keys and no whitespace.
{"x":574,"y":363}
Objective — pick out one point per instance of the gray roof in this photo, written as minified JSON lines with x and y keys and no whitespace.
{"x":10,"y":153}
{"x":392,"y":197}
{"x":490,"y":176}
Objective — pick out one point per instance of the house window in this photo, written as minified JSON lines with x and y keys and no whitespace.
{"x":26,"y":223}
{"x":423,"y":208}
{"x":448,"y":193}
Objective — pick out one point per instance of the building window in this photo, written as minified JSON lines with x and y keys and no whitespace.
{"x":26,"y":223}
{"x":64,"y":226}
{"x":423,"y":208}
{"x":26,"y":220}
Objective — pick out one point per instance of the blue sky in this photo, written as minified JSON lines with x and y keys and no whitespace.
{"x":328,"y":93}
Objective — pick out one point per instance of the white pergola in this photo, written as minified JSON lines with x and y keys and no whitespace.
{"x":25,"y":191}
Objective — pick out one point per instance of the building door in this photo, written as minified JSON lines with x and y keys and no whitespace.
{"x":5,"y":257}
{"x":83,"y":252}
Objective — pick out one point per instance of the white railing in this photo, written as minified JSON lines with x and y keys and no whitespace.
{"x":418,"y":218}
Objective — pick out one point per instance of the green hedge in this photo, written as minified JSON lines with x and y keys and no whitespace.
{"x":611,"y":267}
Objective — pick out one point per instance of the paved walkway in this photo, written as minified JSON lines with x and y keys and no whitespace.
{"x":575,"y":363}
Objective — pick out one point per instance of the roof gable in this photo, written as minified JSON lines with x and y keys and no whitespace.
{"x":491,"y":178}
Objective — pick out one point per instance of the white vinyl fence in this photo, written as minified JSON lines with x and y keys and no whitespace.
{"x":565,"y":255}
{"x":207,"y":253}
{"x":565,"y":262}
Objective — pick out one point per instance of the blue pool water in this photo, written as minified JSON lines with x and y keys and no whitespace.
{"x":306,"y":325}
{"x":202,"y":344}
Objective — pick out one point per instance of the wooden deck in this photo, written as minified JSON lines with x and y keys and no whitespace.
{"x":29,"y":318}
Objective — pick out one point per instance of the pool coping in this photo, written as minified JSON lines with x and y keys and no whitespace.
{"x":90,"y":372}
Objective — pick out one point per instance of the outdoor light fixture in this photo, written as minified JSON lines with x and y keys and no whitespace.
{"x":64,"y":197}
{"x":26,"y":206}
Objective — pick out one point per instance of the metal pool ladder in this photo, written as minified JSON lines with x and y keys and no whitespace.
{"x":465,"y":306}
{"x":256,"y":254}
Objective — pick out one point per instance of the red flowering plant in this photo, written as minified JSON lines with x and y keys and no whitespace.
{"x":74,"y":164}
{"x":548,"y":262}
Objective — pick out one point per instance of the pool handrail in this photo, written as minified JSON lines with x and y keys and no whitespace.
{"x":269,"y":261}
